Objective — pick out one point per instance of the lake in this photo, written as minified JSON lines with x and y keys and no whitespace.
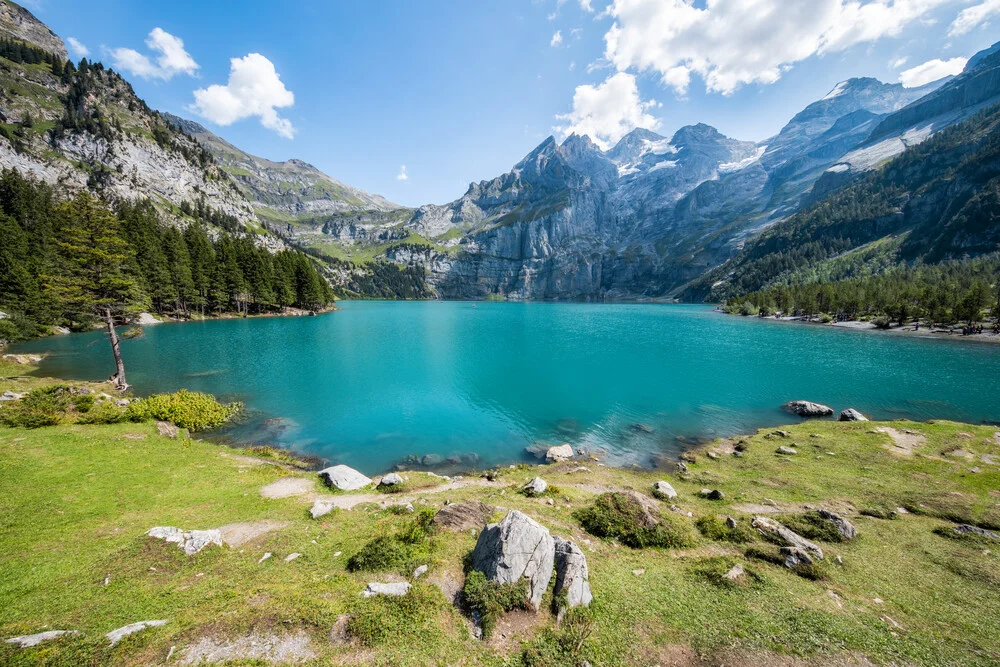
{"x":377,"y":382}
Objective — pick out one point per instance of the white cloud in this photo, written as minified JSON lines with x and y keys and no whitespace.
{"x":171,"y":60}
{"x":77,"y":47}
{"x":586,"y":6}
{"x":898,"y":62}
{"x":932,"y":70}
{"x":971,"y":17}
{"x":254,"y":89}
{"x":608,"y":111}
{"x":556,"y":39}
{"x":730,"y":43}
{"x":402,"y":175}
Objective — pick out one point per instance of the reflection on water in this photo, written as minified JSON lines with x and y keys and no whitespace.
{"x":378,"y":383}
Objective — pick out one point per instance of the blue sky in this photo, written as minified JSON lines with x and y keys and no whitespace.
{"x":460,"y":91}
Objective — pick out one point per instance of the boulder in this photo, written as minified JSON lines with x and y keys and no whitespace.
{"x":852,"y":415}
{"x":559,"y":454}
{"x":808,"y":409}
{"x":420,"y":571}
{"x":392,"y":479}
{"x":27,"y":641}
{"x":22,"y":359}
{"x":966,"y":529}
{"x":664,"y":491}
{"x":572,"y":575}
{"x":344,"y":478}
{"x":191,"y":541}
{"x":121,"y":633}
{"x":466,"y":515}
{"x":167,"y":429}
{"x":396,"y":589}
{"x":843,"y":526}
{"x":796,"y":556}
{"x":321,"y":507}
{"x":516,"y":548}
{"x":787,"y":451}
{"x":712,"y":494}
{"x":11,"y":396}
{"x":768,"y":527}
{"x":536,"y":487}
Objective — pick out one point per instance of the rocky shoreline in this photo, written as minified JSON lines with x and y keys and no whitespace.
{"x":923,"y":331}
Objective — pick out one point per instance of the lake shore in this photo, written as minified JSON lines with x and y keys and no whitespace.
{"x":936,"y":333}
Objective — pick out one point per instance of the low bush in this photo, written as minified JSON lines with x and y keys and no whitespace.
{"x":626,"y":518}
{"x":562,"y":645}
{"x":878,"y":512}
{"x":410,"y":618}
{"x":882,"y":322}
{"x":490,"y":600}
{"x":187,"y":409}
{"x":47,"y":406}
{"x":16,"y":327}
{"x":394,"y":552}
{"x":716,"y":529}
{"x":811,"y":526}
{"x":104,"y":412}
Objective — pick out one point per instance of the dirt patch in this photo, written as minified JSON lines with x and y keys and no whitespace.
{"x":273,"y":648}
{"x":135,"y":436}
{"x":448,"y":582}
{"x":347,"y":501}
{"x":287,"y":487}
{"x":685,"y":656}
{"x":238,"y":534}
{"x":903,"y":442}
{"x":514,"y":628}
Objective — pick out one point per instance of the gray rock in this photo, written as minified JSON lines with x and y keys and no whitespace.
{"x":392,"y":479}
{"x":516,"y":548}
{"x":190,"y":541}
{"x":664,"y":491}
{"x":431,"y":459}
{"x":572,"y":575}
{"x":536,"y":487}
{"x":321,"y":507}
{"x":712,"y":494}
{"x":466,"y":515}
{"x":852,"y":415}
{"x":735,"y":573}
{"x":420,"y":571}
{"x":788,"y":451}
{"x":167,"y":429}
{"x":770,"y":528}
{"x":344,"y":478}
{"x":27,"y":641}
{"x":395,"y":589}
{"x":121,"y":633}
{"x":844,"y":527}
{"x":966,"y":529}
{"x":796,"y":556}
{"x":808,"y":409}
{"x":730,"y":522}
{"x":559,"y":454}
{"x":11,"y":396}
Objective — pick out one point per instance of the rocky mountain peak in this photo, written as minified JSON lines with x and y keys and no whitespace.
{"x":19,"y":23}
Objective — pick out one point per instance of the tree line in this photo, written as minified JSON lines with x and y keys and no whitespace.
{"x":54,"y":252}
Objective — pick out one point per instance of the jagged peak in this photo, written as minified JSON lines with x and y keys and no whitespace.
{"x":980,"y":56}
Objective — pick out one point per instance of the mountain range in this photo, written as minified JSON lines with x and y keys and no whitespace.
{"x":652,"y":217}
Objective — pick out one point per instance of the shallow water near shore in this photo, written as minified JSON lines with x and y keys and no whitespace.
{"x":377,"y":382}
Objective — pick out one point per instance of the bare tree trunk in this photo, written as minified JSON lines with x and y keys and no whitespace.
{"x":119,"y":377}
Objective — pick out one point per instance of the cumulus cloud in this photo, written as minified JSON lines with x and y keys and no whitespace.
{"x":730,"y":43}
{"x":971,"y":17}
{"x":609,"y":111}
{"x":254,"y":90}
{"x":170,"y":60}
{"x":898,"y":62}
{"x":932,"y":70}
{"x":556,"y":39}
{"x":586,"y":6}
{"x":77,"y":47}
{"x":402,"y":175}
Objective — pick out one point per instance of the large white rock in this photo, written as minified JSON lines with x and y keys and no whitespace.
{"x":663,"y":490}
{"x":27,"y":641}
{"x":572,"y":575}
{"x":536,"y":487}
{"x":191,"y":541}
{"x":516,"y":548}
{"x":121,"y":633}
{"x":392,"y":479}
{"x":808,"y":409}
{"x":767,"y":526}
{"x":321,"y":507}
{"x":852,"y":415}
{"x":398,"y":589}
{"x":344,"y":478}
{"x":559,"y":454}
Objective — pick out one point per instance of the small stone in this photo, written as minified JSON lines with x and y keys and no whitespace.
{"x":396,"y":589}
{"x":116,"y":636}
{"x":787,"y":451}
{"x":664,"y":490}
{"x":572,"y":575}
{"x":795,"y":556}
{"x":392,"y":479}
{"x":730,"y":522}
{"x":321,"y":507}
{"x":536,"y":487}
{"x":712,"y":455}
{"x":843,"y":526}
{"x":639,"y":573}
{"x":190,"y":541}
{"x":550,"y":501}
{"x":711,"y":494}
{"x":292,"y":556}
{"x":264,"y":557}
{"x":852,"y":415}
{"x":420,"y":571}
{"x":781,"y":434}
{"x":840,"y":561}
{"x":559,"y":454}
{"x":27,"y":641}
{"x":735,"y":573}
{"x":337,"y":553}
{"x":167,"y":429}
{"x":966,"y":529}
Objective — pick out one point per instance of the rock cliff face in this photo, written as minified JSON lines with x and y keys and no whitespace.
{"x":18,"y":23}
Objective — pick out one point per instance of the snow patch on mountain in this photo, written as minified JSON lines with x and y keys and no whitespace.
{"x":730,"y":167}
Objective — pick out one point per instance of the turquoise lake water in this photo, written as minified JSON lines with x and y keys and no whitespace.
{"x":376,"y":382}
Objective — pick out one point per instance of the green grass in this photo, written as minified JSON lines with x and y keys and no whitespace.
{"x":75,"y":502}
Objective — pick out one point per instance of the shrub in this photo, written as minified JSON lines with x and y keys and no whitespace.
{"x":882,"y":322}
{"x":192,"y":410}
{"x":407,"y":619}
{"x":394,"y":552}
{"x":811,"y":526}
{"x":625,"y":517}
{"x":562,"y":645}
{"x":105,"y":412}
{"x":490,"y":600}
{"x":747,"y":309}
{"x":42,"y":407}
{"x":716,"y":529}
{"x":714,"y":571}
{"x":879,"y":512}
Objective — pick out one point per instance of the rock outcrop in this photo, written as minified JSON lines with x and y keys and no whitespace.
{"x":572,"y":575}
{"x":772,"y":529}
{"x":394,"y":589}
{"x":559,"y":454}
{"x":344,"y":478}
{"x":392,"y":479}
{"x":664,"y":491}
{"x":843,"y":526}
{"x":466,"y":515}
{"x":190,"y":541}
{"x":808,"y":409}
{"x":536,"y":487}
{"x":27,"y":641}
{"x":121,"y":633}
{"x":852,"y":415}
{"x":516,"y":548}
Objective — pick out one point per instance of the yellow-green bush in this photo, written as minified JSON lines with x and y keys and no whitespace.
{"x":192,"y":410}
